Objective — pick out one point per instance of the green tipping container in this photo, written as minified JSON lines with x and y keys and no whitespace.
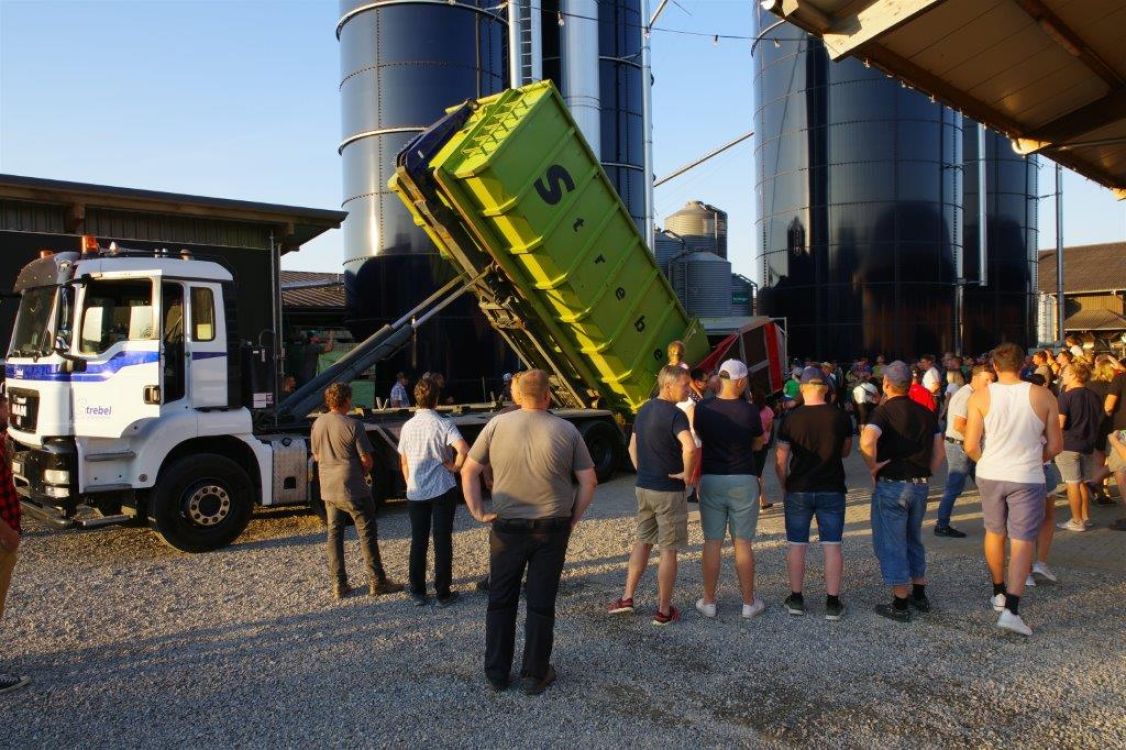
{"x":527,"y":187}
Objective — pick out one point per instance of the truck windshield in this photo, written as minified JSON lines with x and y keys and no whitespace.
{"x":34,"y":334}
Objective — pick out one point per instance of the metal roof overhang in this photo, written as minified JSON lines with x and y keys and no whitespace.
{"x":1049,"y":74}
{"x":295,"y":225}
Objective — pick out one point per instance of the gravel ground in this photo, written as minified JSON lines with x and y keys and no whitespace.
{"x":131,"y":644}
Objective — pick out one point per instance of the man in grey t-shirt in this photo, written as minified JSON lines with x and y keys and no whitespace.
{"x":343,"y":454}
{"x":535,"y":459}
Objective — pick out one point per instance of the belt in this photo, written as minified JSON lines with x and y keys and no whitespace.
{"x":956,"y":441}
{"x":532,"y":524}
{"x":910,"y":480}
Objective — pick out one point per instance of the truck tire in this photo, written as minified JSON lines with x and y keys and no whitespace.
{"x":604,"y":441}
{"x":202,"y":503}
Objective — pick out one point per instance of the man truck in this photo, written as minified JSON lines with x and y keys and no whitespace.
{"x":132,"y":398}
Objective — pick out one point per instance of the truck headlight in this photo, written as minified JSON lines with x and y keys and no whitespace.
{"x":56,"y":491}
{"x":17,"y":468}
{"x":56,"y":476}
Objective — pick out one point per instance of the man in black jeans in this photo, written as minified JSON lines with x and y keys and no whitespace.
{"x":535,"y":458}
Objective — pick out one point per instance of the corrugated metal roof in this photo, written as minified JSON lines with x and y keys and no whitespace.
{"x":1095,"y":320}
{"x":1050,"y":74}
{"x":312,"y":289}
{"x":1086,"y":268}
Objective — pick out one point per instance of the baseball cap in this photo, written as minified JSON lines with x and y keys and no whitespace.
{"x":733,"y":369}
{"x":812,"y":375}
{"x":898,"y":373}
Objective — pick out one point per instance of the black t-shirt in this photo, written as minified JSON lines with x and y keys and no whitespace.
{"x":907,"y":431}
{"x":658,"y":448}
{"x":1118,"y":388}
{"x":816,"y":435}
{"x":1106,"y":423}
{"x":728,"y":427}
{"x":1083,"y":410}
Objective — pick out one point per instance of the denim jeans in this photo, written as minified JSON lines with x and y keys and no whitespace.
{"x":541,"y":548}
{"x":959,"y":467}
{"x":363,"y":514}
{"x":437,"y":512}
{"x":827,"y":507}
{"x":897,"y":538}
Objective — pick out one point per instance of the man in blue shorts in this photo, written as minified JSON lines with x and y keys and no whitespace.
{"x":812,"y":443}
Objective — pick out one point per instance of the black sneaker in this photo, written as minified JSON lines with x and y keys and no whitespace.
{"x":420,"y":600}
{"x":795,"y":605}
{"x":498,"y":684}
{"x":445,"y":600}
{"x":949,"y":531}
{"x":11,"y":682}
{"x":340,"y":589}
{"x":889,"y":611}
{"x":834,"y":610}
{"x":921,"y":603}
{"x":532,"y":686}
{"x":385,"y":586}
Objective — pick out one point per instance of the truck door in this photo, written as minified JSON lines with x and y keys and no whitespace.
{"x":207,"y":340}
{"x":118,"y":336}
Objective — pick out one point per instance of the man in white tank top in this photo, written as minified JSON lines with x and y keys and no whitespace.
{"x":1018,"y":422}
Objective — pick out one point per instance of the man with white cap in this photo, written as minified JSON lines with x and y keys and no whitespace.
{"x":730,"y":429}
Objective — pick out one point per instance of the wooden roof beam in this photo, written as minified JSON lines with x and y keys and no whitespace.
{"x":874,"y":20}
{"x":1063,"y":35}
{"x":1063,"y":130}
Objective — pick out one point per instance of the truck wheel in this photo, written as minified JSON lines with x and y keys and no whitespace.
{"x":604,"y":441}
{"x":202,"y":503}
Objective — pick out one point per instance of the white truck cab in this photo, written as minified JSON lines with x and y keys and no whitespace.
{"x":123,"y":378}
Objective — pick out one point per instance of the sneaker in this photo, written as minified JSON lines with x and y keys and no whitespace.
{"x":921,"y":604}
{"x":621,"y":607}
{"x":420,"y":600}
{"x":949,"y":531}
{"x":707,"y":610}
{"x":834,"y":610}
{"x":889,"y":611}
{"x":1030,"y":581}
{"x":659,"y":618}
{"x":794,"y":605}
{"x":11,"y":682}
{"x":533,"y":686}
{"x":1088,"y":524}
{"x":1042,"y":570}
{"x":384,"y":586}
{"x":754,"y":609}
{"x":1072,"y":525}
{"x":998,"y":602}
{"x":1012,"y":622}
{"x":445,"y":600}
{"x":483,"y":585}
{"x":340,"y":589}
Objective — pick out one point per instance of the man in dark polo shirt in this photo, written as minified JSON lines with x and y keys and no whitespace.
{"x":902,"y":446}
{"x":812,"y":444}
{"x":535,"y":457}
{"x":664,"y":453}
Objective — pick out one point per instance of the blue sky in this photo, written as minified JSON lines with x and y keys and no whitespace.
{"x":239,"y":100}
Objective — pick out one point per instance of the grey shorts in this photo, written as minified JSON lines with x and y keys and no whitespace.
{"x":729,"y":502}
{"x":1076,"y":467}
{"x":1013,"y":508}
{"x":1114,"y":461}
{"x":662,"y":518}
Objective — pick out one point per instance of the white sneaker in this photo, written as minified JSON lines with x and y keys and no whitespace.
{"x":1072,"y":525}
{"x":754,"y":609}
{"x":1042,"y":570}
{"x":1030,"y":581}
{"x":707,"y":610}
{"x":998,"y":602}
{"x":1012,"y":622}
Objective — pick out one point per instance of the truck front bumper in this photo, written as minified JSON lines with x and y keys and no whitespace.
{"x":46,"y":479}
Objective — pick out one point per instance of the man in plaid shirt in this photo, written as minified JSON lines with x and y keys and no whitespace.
{"x":9,"y":536}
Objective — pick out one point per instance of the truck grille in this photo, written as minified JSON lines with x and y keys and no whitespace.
{"x":23,"y":409}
